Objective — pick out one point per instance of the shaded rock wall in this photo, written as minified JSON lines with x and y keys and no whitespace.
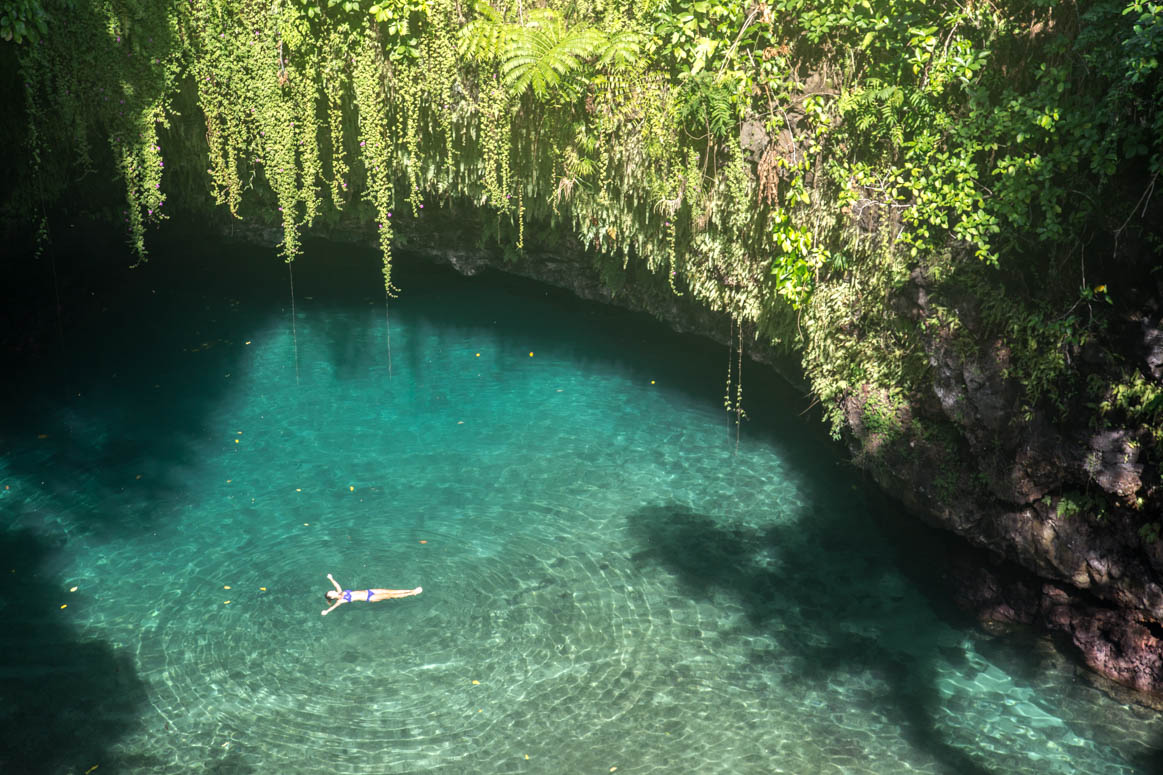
{"x":1067,"y":501}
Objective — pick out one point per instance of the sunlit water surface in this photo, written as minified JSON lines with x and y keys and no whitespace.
{"x":610,"y":578}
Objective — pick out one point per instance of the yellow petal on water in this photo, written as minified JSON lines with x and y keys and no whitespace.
{"x":1099,"y":288}
{"x":236,"y":441}
{"x":225,"y":602}
{"x":226,"y":586}
{"x":298,"y":489}
{"x":95,"y":766}
{"x":460,"y":422}
{"x":478,"y":355}
{"x":530,"y":355}
{"x":137,"y":477}
{"x":262,"y":589}
{"x":72,"y":589}
{"x":351,"y":488}
{"x":476,"y":683}
{"x":526,"y":757}
{"x":228,"y":481}
{"x":651,"y":382}
{"x":306,"y":524}
{"x":612,"y":769}
{"x":66,"y":605}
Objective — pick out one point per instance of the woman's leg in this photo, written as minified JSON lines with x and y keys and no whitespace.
{"x":391,"y":594}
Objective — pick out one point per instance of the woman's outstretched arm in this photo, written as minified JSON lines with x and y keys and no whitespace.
{"x":338,"y":588}
{"x":334,"y":605}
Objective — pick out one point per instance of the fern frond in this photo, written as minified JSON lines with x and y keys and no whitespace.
{"x":722,"y":114}
{"x":543,"y":53}
{"x":486,"y":36}
{"x":622,"y":51}
{"x":707,"y":104}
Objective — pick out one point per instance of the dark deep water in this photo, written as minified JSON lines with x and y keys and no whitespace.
{"x":607,"y":581}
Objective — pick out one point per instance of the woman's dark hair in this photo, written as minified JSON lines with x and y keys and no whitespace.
{"x":328,"y":596}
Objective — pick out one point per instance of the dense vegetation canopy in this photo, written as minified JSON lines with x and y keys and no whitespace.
{"x":803,"y":167}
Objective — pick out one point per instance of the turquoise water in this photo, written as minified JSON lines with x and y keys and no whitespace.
{"x":609,"y":579}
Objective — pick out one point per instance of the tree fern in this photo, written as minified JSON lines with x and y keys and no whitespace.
{"x":543,"y":53}
{"x":486,"y":36}
{"x":622,"y":51}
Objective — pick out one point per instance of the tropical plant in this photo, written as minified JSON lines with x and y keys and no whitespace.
{"x":23,"y":20}
{"x":972,"y":147}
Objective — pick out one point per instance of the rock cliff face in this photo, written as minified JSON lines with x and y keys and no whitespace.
{"x":1064,"y":505}
{"x":1002,"y":481}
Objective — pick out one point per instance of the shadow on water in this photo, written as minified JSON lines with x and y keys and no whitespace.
{"x":815,"y":583}
{"x":64,"y":702}
{"x":1153,"y":761}
{"x":105,"y":424}
{"x":441,"y":319}
{"x":444,"y":313}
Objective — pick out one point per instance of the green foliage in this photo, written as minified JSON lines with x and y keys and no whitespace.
{"x":398,"y":22}
{"x":316,"y":9}
{"x":798,"y":166}
{"x":1134,"y":401}
{"x":543,"y":54}
{"x":486,"y":36}
{"x":699,"y":37}
{"x":23,"y":20}
{"x":706,"y":104}
{"x":1072,"y":503}
{"x":1041,"y":340}
{"x":1137,"y":398}
{"x":375,"y":143}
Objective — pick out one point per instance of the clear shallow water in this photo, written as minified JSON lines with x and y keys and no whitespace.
{"x":607,"y":582}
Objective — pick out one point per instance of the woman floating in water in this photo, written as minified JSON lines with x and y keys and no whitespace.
{"x":341,"y":596}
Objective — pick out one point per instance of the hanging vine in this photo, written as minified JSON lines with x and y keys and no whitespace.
{"x":496,"y":140}
{"x":368,"y":83}
{"x":440,"y":73}
{"x":408,"y":94}
{"x":219,"y":67}
{"x":301,"y":67}
{"x":336,"y":86}
{"x":627,"y":122}
{"x":733,"y":395}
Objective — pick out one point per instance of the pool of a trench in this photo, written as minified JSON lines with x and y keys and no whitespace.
{"x":612,"y":577}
